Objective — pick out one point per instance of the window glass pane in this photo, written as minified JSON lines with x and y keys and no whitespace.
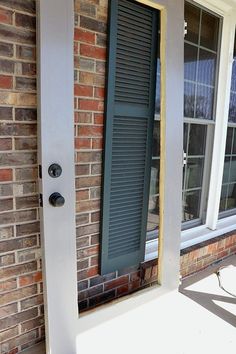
{"x":194,"y":173}
{"x":189,"y":99}
{"x":206,"y":67}
{"x":186,"y":127}
{"x":223,"y":198}
{"x":191,"y":205}
{"x":190,"y":62}
{"x":192,"y":17}
{"x":204,"y":102}
{"x":233,"y":170}
{"x":209,"y":31}
{"x":156,"y":139}
{"x":232,"y":103}
{"x":226,"y":170}
{"x":231,"y":200}
{"x":153,"y":214}
{"x":154,"y":182}
{"x":229,"y":141}
{"x":197,"y":139}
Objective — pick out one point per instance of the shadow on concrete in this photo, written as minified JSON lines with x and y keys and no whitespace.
{"x":207,"y":291}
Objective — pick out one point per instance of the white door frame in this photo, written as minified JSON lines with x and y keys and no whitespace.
{"x":56,"y":145}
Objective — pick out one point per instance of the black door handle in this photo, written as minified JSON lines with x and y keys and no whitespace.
{"x":56,"y":200}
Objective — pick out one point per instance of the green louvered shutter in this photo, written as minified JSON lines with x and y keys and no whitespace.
{"x":133,"y":31}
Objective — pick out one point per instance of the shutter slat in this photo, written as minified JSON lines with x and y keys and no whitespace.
{"x":131,"y":95}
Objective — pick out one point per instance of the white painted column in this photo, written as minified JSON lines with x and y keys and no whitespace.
{"x":56,"y":145}
{"x":222,"y":109}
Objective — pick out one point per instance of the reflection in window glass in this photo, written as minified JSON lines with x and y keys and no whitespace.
{"x":228,"y":191}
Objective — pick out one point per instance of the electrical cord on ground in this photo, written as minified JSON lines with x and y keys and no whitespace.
{"x":220,"y":284}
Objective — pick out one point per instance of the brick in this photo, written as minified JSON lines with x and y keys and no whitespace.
{"x":81,"y":170}
{"x":30,"y":279}
{"x":25,"y":84}
{"x":26,"y":143}
{"x":92,"y":51}
{"x":8,"y":310}
{"x":6,"y":16}
{"x":93,"y":156}
{"x":100,"y":67}
{"x":6,"y":233}
{"x":18,"y":159}
{"x":83,"y":117}
{"x":31,"y":302}
{"x":9,"y":333}
{"x":97,"y":144}
{"x":83,"y":305}
{"x":101,"y":279}
{"x":90,"y":292}
{"x":7,"y":285}
{"x":7,"y":259}
{"x":5,"y":175}
{"x":5,"y":113}
{"x":6,"y":49}
{"x":19,"y":243}
{"x":18,"y":294}
{"x":84,"y":206}
{"x":98,"y":118}
{"x":27,"y":229}
{"x":18,"y":318}
{"x":116,"y":282}
{"x":95,"y":217}
{"x":83,"y":182}
{"x":5,"y":347}
{"x":28,"y":69}
{"x":28,"y":255}
{"x":82,"y":264}
{"x":5,"y":144}
{"x":122,"y":290}
{"x":84,"y":36}
{"x":26,"y":173}
{"x":18,"y":269}
{"x":86,"y":8}
{"x":82,"y":90}
{"x":21,"y":5}
{"x":26,"y":114}
{"x":6,"y":82}
{"x":18,"y":99}
{"x":88,"y":230}
{"x":99,"y":92}
{"x":18,"y":35}
{"x":88,"y":273}
{"x":82,"y":285}
{"x":6,"y":190}
{"x":95,"y":193}
{"x":96,"y":169}
{"x":92,"y":24}
{"x":101,"y":40}
{"x":20,"y":216}
{"x":6,"y":66}
{"x":86,"y":64}
{"x":87,"y":78}
{"x":18,"y":129}
{"x":82,"y":219}
{"x":25,"y":21}
{"x":27,"y":202}
{"x":82,"y":195}
{"x":82,"y":143}
{"x":25,"y":52}
{"x":88,"y":252}
{"x":31,"y":324}
{"x":90,"y":131}
{"x":94,"y":239}
{"x":102,"y":298}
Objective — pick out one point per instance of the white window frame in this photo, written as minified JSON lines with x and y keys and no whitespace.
{"x":214,"y":226}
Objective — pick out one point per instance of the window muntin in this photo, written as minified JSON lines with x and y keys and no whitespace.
{"x":200,"y":73}
{"x":228,"y":191}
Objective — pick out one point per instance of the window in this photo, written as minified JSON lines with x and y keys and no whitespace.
{"x":201,"y":56}
{"x":228,"y":191}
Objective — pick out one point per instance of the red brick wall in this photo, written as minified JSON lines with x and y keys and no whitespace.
{"x":21,"y":312}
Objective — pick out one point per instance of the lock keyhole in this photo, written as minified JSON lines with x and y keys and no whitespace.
{"x":54,"y":170}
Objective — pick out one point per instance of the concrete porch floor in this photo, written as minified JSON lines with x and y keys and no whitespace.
{"x":201,"y":318}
